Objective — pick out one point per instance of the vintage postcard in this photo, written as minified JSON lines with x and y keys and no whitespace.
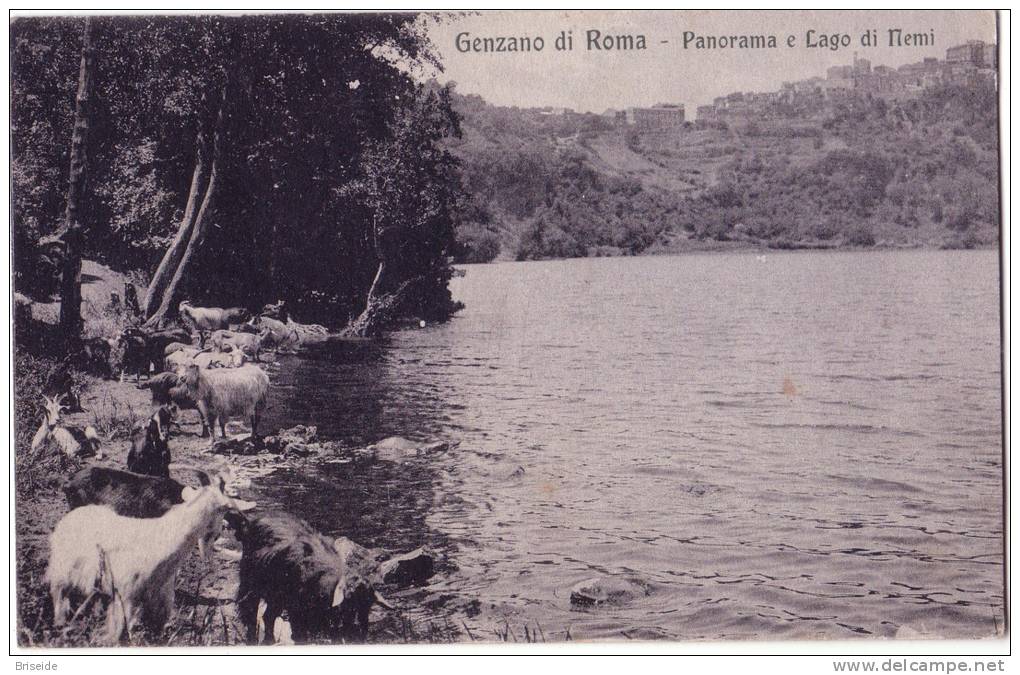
{"x":506,"y":327}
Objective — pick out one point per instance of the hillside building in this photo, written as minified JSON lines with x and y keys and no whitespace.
{"x":661,"y":117}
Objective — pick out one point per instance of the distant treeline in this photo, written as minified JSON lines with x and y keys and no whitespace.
{"x":918,"y":172}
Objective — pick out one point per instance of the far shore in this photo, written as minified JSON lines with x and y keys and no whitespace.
{"x":699,"y":247}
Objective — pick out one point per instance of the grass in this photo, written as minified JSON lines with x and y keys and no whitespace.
{"x":104,"y":319}
{"x":528,"y":635}
{"x":194,"y":625}
{"x":112,"y":418}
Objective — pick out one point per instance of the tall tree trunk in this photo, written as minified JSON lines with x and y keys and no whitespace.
{"x":380,"y":310}
{"x":194,"y":241}
{"x":377,"y":307}
{"x":71,"y":237}
{"x":197,"y":233}
{"x":172,"y":257}
{"x":374,"y":288}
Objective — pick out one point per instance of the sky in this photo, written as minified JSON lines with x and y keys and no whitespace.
{"x":666,"y":72}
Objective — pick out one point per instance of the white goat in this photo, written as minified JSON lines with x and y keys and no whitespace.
{"x":72,"y":441}
{"x":177,"y":360}
{"x":229,"y":392}
{"x":134,"y":561}
{"x":229,"y":358}
{"x":211,"y":318}
{"x":249,"y":343}
{"x":176,"y":347}
{"x":276,"y":334}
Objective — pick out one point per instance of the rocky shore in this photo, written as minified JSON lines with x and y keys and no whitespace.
{"x":206,"y":588}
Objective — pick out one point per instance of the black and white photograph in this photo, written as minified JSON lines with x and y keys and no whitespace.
{"x":506,"y":328}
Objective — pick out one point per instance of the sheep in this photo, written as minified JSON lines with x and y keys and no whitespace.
{"x":72,"y":441}
{"x":134,"y":561}
{"x":286,"y":565}
{"x":234,"y":392}
{"x":211,"y":318}
{"x":150,"y":450}
{"x":128,"y":494}
{"x":276,"y":334}
{"x":169,"y":389}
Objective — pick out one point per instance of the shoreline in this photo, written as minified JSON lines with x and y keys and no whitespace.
{"x":718,"y":247}
{"x":206,"y":589}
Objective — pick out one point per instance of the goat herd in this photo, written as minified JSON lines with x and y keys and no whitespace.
{"x":128,"y":533}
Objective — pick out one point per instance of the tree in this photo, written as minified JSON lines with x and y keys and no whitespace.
{"x":310,"y":101}
{"x":412,"y":188}
{"x":167,"y":280}
{"x":70,"y":236}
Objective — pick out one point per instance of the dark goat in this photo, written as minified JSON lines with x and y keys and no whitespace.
{"x":144,"y":349}
{"x":157,"y":341}
{"x":169,"y":389}
{"x":128,"y":494}
{"x":131,"y":299}
{"x":95,"y":354}
{"x":135,"y":359}
{"x":150,"y":448}
{"x":290,"y":567}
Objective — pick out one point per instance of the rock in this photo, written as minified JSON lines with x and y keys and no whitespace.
{"x":397,"y":448}
{"x":395,"y":444}
{"x":243,"y":445}
{"x":409,"y":569}
{"x":607,"y":591}
{"x":298,"y":441}
{"x":438,"y":446}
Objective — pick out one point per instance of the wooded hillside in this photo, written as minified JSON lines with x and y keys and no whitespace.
{"x":869,"y":172}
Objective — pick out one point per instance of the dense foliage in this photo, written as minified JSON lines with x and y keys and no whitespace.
{"x":865,"y":172}
{"x":307,"y":110}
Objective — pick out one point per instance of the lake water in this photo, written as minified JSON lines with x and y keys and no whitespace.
{"x":794,"y":445}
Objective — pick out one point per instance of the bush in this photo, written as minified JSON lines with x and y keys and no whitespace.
{"x":478,"y":245}
{"x":962,"y":240}
{"x":861,"y":235}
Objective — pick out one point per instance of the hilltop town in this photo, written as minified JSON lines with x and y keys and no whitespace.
{"x":865,"y":156}
{"x":967,"y":65}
